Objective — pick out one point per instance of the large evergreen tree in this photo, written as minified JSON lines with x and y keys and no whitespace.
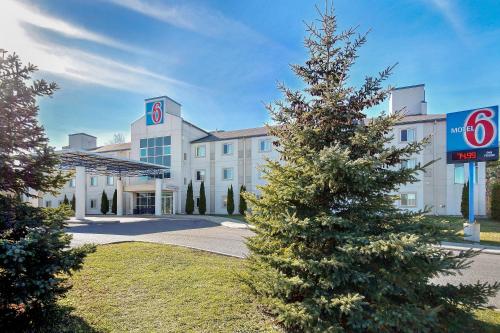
{"x":114,"y":203}
{"x":35,"y":258}
{"x":202,"y":207}
{"x":464,"y":203}
{"x":230,"y":200}
{"x":104,"y":203}
{"x":190,"y":199}
{"x":332,"y":253}
{"x":242,"y":206}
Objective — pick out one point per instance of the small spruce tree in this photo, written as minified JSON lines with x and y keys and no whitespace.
{"x":190,"y":199}
{"x":495,"y":201}
{"x":202,"y":207}
{"x":242,"y":206}
{"x":114,"y":203}
{"x":230,"y":200}
{"x":66,"y":201}
{"x":464,"y":203}
{"x":104,"y":203}
{"x":73,"y":203}
{"x":331,"y":251}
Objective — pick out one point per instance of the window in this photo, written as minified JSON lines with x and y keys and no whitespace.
{"x":110,"y":181}
{"x":93,"y":203}
{"x":408,"y":135}
{"x":72,"y":182}
{"x":157,"y":151}
{"x":197,"y":201}
{"x":200,"y":175}
{"x":409,"y":164}
{"x":48,"y":203}
{"x":264,"y":145}
{"x":227,"y":173}
{"x":408,"y":199}
{"x":199,"y":151}
{"x":93,"y":181}
{"x":459,"y":173}
{"x":185,"y":156}
{"x":227,"y":149}
{"x":224,"y":201}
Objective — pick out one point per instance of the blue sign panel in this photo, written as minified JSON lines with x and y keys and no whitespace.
{"x":155,"y":113}
{"x":472,"y":135}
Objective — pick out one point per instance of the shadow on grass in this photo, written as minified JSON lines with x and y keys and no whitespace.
{"x":62,"y":320}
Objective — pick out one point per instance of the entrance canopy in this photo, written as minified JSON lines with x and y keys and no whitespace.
{"x":100,"y":164}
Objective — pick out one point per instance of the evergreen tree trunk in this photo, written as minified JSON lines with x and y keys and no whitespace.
{"x":332,"y":253}
{"x":114,"y":204}
{"x":202,"y":208}
{"x":190,"y":199}
{"x":230,"y":200}
{"x":242,"y":207}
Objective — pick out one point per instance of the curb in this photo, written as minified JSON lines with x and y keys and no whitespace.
{"x":476,"y":247}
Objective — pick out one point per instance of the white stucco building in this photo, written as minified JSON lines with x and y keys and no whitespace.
{"x":224,"y":158}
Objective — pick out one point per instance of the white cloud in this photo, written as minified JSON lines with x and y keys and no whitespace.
{"x":71,"y":62}
{"x":448,"y":9}
{"x":198,"y":19}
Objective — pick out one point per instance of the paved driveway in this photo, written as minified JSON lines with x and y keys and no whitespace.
{"x":193,"y":232}
{"x":205,"y":235}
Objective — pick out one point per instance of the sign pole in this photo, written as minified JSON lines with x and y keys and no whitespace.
{"x":472,"y":178}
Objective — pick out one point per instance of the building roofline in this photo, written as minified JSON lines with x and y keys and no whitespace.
{"x":409,"y":87}
{"x":158,"y":97}
{"x":198,"y":128}
{"x":81,"y":133}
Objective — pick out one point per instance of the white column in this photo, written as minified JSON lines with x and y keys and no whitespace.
{"x":174,"y":202}
{"x":158,"y":183}
{"x":119,"y":197}
{"x":80,"y":192}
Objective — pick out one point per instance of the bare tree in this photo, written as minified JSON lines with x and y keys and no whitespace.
{"x":117,"y":138}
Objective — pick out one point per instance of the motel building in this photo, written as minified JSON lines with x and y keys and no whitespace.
{"x":151,"y":173}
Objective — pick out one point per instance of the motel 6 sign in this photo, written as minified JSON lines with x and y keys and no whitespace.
{"x":155,"y":112}
{"x":472,"y":135}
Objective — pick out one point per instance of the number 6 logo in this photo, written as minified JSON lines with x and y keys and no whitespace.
{"x":480,"y":130}
{"x":157,"y":113}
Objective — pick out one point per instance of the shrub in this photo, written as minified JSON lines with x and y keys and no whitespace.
{"x":242,"y":206}
{"x":230,"y":200}
{"x":202,"y":207}
{"x":190,"y":199}
{"x":464,"y":203}
{"x":495,"y":201}
{"x":104,"y":203}
{"x":114,"y":204}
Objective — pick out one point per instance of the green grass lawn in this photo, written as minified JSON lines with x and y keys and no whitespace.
{"x":143,"y":287}
{"x":490,"y":230}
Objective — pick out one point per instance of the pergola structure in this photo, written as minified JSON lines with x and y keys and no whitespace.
{"x":100,"y":164}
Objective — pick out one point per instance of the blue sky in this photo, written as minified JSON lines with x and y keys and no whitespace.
{"x":221,"y":59}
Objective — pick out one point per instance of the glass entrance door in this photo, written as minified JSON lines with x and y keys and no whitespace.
{"x":167,"y":203}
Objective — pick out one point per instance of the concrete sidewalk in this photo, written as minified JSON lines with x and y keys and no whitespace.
{"x":220,"y":220}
